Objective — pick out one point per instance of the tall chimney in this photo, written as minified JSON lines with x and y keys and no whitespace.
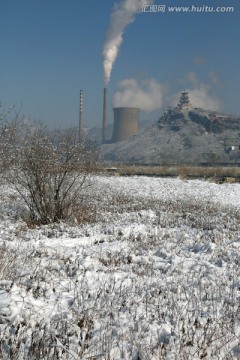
{"x":80,"y":116}
{"x":104,"y":126}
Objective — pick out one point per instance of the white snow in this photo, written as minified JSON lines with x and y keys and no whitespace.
{"x":155,"y":277}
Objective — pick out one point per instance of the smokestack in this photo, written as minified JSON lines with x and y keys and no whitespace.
{"x":104,"y":126}
{"x":125,"y":123}
{"x":80,"y":134}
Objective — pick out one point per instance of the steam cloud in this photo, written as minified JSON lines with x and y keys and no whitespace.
{"x":200,"y":97}
{"x":146,"y":95}
{"x":123,"y":14}
{"x":200,"y":94}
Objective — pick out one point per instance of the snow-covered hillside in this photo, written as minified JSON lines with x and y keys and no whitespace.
{"x":181,"y":141}
{"x":155,"y":275}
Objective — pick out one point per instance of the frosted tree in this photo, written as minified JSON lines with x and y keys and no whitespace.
{"x":10,"y":121}
{"x":50,"y":171}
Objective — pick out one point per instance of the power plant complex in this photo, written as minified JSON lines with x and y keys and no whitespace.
{"x":125,"y":121}
{"x":183,"y":134}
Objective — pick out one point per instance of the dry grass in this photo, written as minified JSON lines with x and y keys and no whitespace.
{"x":151,"y":296}
{"x":74,"y":335}
{"x":226,"y":173}
{"x":7,"y":263}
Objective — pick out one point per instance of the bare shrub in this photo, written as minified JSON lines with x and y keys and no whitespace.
{"x":7,"y":264}
{"x":10,"y":120}
{"x":50,"y":172}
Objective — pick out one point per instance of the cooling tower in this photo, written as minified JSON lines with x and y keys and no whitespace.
{"x":125,"y":123}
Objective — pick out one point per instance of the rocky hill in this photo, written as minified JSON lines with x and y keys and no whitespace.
{"x":189,"y":136}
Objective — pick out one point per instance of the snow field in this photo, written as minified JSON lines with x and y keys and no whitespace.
{"x":156,"y":276}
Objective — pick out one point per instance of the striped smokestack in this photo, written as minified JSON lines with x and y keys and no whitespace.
{"x":104,"y":126}
{"x":80,"y":133}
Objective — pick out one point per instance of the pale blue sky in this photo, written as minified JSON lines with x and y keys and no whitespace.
{"x":50,"y":49}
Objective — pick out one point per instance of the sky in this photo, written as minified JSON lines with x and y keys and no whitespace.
{"x":50,"y":49}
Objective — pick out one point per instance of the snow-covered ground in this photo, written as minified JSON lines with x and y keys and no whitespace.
{"x":156,"y":275}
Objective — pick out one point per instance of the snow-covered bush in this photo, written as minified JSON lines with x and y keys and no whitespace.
{"x":50,"y":172}
{"x":10,"y":121}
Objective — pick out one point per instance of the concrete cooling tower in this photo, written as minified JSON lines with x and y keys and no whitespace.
{"x":125,"y":123}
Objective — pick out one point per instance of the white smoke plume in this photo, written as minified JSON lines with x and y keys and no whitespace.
{"x":200,"y":94}
{"x":201,"y":97}
{"x":146,"y":95}
{"x":122,"y":15}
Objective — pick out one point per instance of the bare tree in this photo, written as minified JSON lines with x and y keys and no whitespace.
{"x":10,"y":121}
{"x":51,"y":171}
